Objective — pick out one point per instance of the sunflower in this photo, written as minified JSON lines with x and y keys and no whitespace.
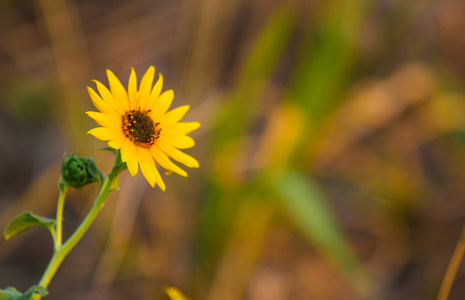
{"x":138,"y":122}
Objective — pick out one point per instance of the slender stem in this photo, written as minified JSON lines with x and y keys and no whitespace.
{"x":89,"y":219}
{"x":64,"y":249}
{"x":59,"y":220}
{"x":61,"y":250}
{"x":453,"y":267}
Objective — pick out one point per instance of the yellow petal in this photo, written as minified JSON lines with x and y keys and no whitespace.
{"x":178,"y":155}
{"x":146,"y":86}
{"x":178,"y":141}
{"x":175,"y":115}
{"x":105,"y":119}
{"x":118,"y":90}
{"x":100,"y":104}
{"x":155,"y":91}
{"x":132,"y":90}
{"x":147,"y":165}
{"x":180,"y":127}
{"x":106,"y":134}
{"x":108,"y":98}
{"x":132,"y":167}
{"x":129,"y":156}
{"x":116,"y":144}
{"x":162,"y":104}
{"x":165,"y":162}
{"x":160,"y":181}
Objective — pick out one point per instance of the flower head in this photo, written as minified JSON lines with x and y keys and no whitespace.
{"x":138,"y":122}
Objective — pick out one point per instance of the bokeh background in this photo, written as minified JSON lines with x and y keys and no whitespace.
{"x":332,"y":147}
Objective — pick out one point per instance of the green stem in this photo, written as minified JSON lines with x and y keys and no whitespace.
{"x":59,"y":220}
{"x":63,"y":250}
{"x":109,"y":184}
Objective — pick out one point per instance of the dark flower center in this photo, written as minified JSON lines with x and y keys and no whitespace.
{"x":138,"y":127}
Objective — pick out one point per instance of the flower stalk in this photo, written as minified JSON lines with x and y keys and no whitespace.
{"x":59,"y":220}
{"x":62,"y":250}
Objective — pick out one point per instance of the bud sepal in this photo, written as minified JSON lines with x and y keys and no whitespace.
{"x":78,"y":172}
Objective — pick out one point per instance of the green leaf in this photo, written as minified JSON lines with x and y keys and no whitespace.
{"x":270,"y":44}
{"x":34,"y":290}
{"x":327,"y":56}
{"x":94,"y":171}
{"x":118,"y":165}
{"x":109,"y":149}
{"x":309,"y":209}
{"x":260,"y":64}
{"x":11,"y":293}
{"x":25,"y":221}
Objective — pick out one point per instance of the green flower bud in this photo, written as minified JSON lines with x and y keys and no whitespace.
{"x":78,"y":172}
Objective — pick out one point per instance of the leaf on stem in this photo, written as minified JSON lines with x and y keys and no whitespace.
{"x":11,"y":293}
{"x":118,"y":166}
{"x":25,"y":221}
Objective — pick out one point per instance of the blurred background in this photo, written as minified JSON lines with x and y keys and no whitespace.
{"x":332,"y":147}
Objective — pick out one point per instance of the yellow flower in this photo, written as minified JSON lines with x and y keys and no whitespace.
{"x":137,"y":122}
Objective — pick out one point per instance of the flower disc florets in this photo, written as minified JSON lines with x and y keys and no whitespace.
{"x":139,"y":128}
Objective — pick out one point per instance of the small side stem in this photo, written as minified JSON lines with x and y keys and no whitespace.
{"x":109,"y":184}
{"x":64,"y":249}
{"x":59,"y":219}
